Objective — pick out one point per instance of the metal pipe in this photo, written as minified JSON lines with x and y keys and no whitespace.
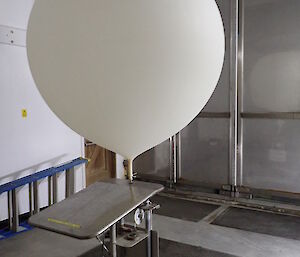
{"x":36,"y":197}
{"x":178,"y":156}
{"x":148,"y":226}
{"x":9,"y":208}
{"x":113,"y":241}
{"x":49,"y":191}
{"x":69,"y":182}
{"x":171,"y":160}
{"x":233,"y":93}
{"x":54,"y":188}
{"x":30,"y":194}
{"x":15,"y":210}
{"x":240,"y":83}
{"x":174,"y":159}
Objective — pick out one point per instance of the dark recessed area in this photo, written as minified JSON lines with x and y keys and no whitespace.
{"x":182,"y":209}
{"x":261,"y":222}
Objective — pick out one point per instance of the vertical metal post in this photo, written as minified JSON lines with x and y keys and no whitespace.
{"x":148,"y":225}
{"x":15,"y":210}
{"x":70,"y":182}
{"x":240,"y":82}
{"x":113,"y":241}
{"x":36,"y":197}
{"x":178,"y":175}
{"x":49,"y":190}
{"x":54,"y":188}
{"x":9,"y":208}
{"x":233,"y":93}
{"x":30,"y":193}
{"x":174,"y":178}
{"x":173,"y":162}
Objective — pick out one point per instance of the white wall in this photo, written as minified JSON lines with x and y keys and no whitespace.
{"x":120,"y":171}
{"x":40,"y":140}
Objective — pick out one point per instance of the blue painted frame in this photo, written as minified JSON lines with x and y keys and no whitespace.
{"x":41,"y":174}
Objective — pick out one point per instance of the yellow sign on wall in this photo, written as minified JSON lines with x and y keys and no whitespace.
{"x":24,"y":113}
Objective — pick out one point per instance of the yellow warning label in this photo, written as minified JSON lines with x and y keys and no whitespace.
{"x":24,"y":113}
{"x":66,"y":223}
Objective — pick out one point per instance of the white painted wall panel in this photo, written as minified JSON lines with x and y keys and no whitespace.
{"x":15,"y":13}
{"x":40,"y":140}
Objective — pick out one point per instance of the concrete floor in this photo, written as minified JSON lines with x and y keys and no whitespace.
{"x":182,"y":209}
{"x":228,"y":240}
{"x":187,"y":229}
{"x":261,"y":222}
{"x":174,"y":249}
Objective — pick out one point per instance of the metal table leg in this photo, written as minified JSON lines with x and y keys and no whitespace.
{"x":148,"y":209}
{"x":148,"y":223}
{"x":113,"y":241}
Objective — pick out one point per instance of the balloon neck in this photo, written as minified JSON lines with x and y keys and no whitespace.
{"x":130,"y":171}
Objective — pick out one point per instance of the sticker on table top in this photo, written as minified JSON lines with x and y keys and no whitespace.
{"x":24,"y":113}
{"x":66,"y":223}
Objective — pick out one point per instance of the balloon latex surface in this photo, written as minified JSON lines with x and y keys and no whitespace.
{"x":126,"y":74}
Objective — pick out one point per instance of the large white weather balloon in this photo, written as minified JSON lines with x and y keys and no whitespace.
{"x":126,"y":74}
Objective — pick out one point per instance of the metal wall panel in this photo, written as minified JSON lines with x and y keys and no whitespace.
{"x":205,"y":151}
{"x":155,"y":162}
{"x":271,"y":154}
{"x":271,"y":78}
{"x":271,"y":56}
{"x":268,"y":80}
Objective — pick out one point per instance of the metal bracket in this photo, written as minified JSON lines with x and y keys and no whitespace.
{"x":236,"y":191}
{"x":12,"y":36}
{"x":149,"y":206}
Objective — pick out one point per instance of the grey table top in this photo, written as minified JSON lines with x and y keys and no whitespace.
{"x":93,"y":210}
